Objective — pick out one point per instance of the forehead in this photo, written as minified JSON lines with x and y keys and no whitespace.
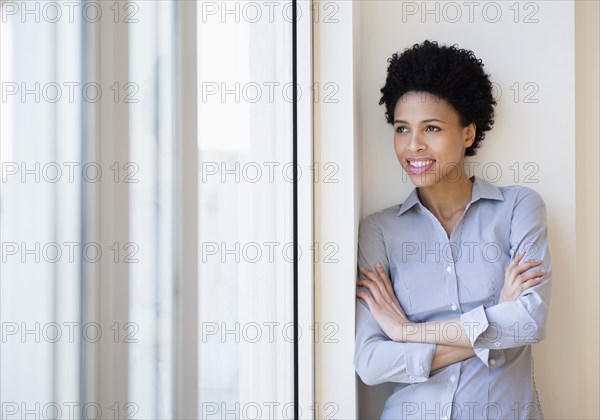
{"x":423,"y":105}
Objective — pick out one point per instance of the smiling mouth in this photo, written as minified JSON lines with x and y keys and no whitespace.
{"x":419,"y":166}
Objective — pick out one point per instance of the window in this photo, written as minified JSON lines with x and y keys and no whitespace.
{"x":98,"y":215}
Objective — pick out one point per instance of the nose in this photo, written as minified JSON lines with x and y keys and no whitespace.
{"x":416,"y":143}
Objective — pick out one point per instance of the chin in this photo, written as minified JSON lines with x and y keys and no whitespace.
{"x":424,"y":180}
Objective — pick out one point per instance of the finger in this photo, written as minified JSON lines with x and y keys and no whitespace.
{"x":366,"y":283}
{"x":528,"y":284}
{"x":521,"y":278}
{"x":517,"y":258}
{"x":363,"y":271}
{"x":375,"y":279}
{"x":366,"y":297}
{"x":532,"y":262}
{"x":368,"y":273}
{"x":373,"y":288}
{"x":387,"y":282}
{"x":523,"y":282}
{"x":513,"y":263}
{"x":526,"y":266}
{"x":519,"y":269}
{"x":515,"y":266}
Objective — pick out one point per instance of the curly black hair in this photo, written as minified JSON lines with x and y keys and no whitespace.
{"x":448,"y":72}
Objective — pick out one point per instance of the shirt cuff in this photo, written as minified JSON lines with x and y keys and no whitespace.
{"x":418,"y":358}
{"x":475,"y":322}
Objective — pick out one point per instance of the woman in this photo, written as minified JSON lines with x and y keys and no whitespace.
{"x":455,"y":282}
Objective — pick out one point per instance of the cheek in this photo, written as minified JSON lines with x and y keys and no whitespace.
{"x":398,"y":147}
{"x":451,"y":146}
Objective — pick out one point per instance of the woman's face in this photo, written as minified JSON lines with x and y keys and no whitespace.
{"x":429,"y":140}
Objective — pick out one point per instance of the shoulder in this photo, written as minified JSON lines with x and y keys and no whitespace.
{"x":507,"y":194}
{"x":520,"y":195}
{"x":382,"y":217}
{"x":526,"y":206}
{"x":375,"y":224}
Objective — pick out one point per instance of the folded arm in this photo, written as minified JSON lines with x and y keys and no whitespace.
{"x":512,"y":323}
{"x":377,"y":358}
{"x":521,"y":321}
{"x":447,"y":355}
{"x":486,"y":331}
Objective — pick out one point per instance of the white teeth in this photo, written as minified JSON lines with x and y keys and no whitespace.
{"x":421,"y":163}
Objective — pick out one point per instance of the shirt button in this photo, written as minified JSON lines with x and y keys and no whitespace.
{"x":492,"y":362}
{"x":449,"y":269}
{"x":452,"y":378}
{"x":497,"y":344}
{"x":454,"y":307}
{"x":412,"y":378}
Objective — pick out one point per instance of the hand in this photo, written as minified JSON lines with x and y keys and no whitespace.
{"x":515,"y":281}
{"x":382,"y":301}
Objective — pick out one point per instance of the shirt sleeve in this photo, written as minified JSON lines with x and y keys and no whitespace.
{"x":377,"y":358}
{"x":522,"y":321}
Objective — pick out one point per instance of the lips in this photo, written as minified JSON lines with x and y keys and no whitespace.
{"x":419,"y":165}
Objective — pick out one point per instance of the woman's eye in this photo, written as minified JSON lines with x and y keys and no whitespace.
{"x":401,"y":129}
{"x":432,"y":128}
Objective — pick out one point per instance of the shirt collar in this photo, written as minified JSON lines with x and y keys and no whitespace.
{"x":481,"y":189}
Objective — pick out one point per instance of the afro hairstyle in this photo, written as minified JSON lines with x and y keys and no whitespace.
{"x":448,"y":72}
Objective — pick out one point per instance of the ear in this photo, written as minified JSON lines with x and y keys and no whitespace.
{"x":469,"y":133}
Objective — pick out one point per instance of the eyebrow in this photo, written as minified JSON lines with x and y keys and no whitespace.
{"x":424,"y":121}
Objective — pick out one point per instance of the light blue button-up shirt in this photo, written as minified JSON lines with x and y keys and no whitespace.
{"x":436,"y":278}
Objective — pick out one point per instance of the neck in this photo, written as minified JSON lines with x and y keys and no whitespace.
{"x":445,"y":199}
